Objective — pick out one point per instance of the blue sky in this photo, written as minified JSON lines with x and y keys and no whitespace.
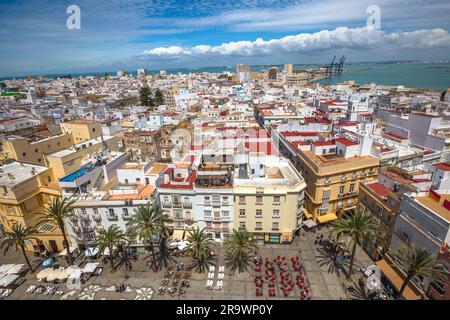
{"x":160,"y":34}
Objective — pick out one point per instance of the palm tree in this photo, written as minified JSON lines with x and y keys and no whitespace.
{"x":108,"y":239}
{"x":416,"y":263}
{"x":200,"y":249}
{"x":239,"y":250}
{"x":18,"y":238}
{"x":129,"y":239}
{"x":358,"y":227}
{"x":164,"y":257}
{"x":59,"y":210}
{"x":147,"y":222}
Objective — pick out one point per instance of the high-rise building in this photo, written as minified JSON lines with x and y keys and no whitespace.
{"x":243,"y":73}
{"x":289,"y":69}
{"x":273,"y":72}
{"x":142,"y":72}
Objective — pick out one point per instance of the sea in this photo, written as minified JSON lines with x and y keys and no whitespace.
{"x":429,"y":75}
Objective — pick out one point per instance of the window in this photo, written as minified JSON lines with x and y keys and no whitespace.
{"x":326,"y":194}
{"x":241,"y":199}
{"x":207,"y":198}
{"x":138,"y":180}
{"x":95,"y":210}
{"x":275,"y":226}
{"x":241,"y":213}
{"x":207,"y":213}
{"x":241,"y":225}
{"x":225,"y":199}
{"x":226,"y":214}
{"x":352,"y":187}
{"x":259,"y":199}
{"x":259,"y":213}
{"x":341,"y":189}
{"x":166,"y":198}
{"x":111,"y":212}
{"x":258,"y":226}
{"x":276,"y":199}
{"x":125,"y":211}
{"x":83,"y":211}
{"x":276,"y":214}
{"x":24,"y":154}
{"x":178,"y":214}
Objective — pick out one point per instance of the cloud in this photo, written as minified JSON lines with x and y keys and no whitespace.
{"x":307,"y":43}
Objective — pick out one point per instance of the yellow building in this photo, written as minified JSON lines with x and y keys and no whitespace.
{"x":268,"y":199}
{"x":25,"y":190}
{"x":333,"y":181}
{"x":69,"y":160}
{"x":73,"y":132}
{"x":82,"y":130}
{"x":23,"y":149}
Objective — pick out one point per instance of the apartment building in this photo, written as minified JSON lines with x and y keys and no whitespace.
{"x":268,"y":198}
{"x":143,"y":145}
{"x":73,"y":132}
{"x":439,"y":288}
{"x":214,"y":199}
{"x":382,"y":204}
{"x":26,"y":150}
{"x":73,"y":158}
{"x":112,"y":203}
{"x":177,"y":195}
{"x":26,"y":189}
{"x":333,"y":171}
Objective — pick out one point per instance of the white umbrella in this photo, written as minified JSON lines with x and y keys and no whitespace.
{"x":15,"y":269}
{"x":90,"y":267}
{"x":309,"y":223}
{"x":8,"y":279}
{"x":90,"y":252}
{"x":64,"y":252}
{"x":183,"y":245}
{"x":4,"y":268}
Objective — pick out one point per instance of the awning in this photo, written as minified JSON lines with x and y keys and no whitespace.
{"x":307,"y":214}
{"x":178,"y":235}
{"x":327,"y":218}
{"x":396,"y":279}
{"x":309,"y":223}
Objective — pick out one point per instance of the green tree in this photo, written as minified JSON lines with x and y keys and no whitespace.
{"x":59,"y":210}
{"x":108,"y":239}
{"x":18,"y":238}
{"x":145,"y":97}
{"x":148,"y":222}
{"x":358,"y":227}
{"x":239,"y":250}
{"x":159,"y":97}
{"x":416,"y":262}
{"x":200,"y":249}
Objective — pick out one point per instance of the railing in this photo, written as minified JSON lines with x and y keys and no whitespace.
{"x":126,"y":216}
{"x":97,"y":217}
{"x":112,"y":217}
{"x":187,"y":205}
{"x":176,"y":204}
{"x":167,"y":204}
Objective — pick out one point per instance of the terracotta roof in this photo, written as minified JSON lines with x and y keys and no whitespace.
{"x":442,"y":166}
{"x":346,"y":142}
{"x":379,"y":189}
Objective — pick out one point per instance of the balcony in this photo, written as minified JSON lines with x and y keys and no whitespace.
{"x":258,"y":203}
{"x":275,"y":229}
{"x":97,"y":217}
{"x":126,"y":216}
{"x":88,"y":229}
{"x":176,"y":204}
{"x":167,"y":204}
{"x":208,"y":218}
{"x":112,"y":217}
{"x":73,"y":219}
{"x":189,"y":222}
{"x":187,"y":205}
{"x":259,"y":229}
{"x":224,"y":218}
{"x":85,"y":218}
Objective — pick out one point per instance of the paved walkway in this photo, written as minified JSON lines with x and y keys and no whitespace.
{"x":325,"y":281}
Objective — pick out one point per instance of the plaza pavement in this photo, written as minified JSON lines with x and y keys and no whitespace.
{"x":325,"y":281}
